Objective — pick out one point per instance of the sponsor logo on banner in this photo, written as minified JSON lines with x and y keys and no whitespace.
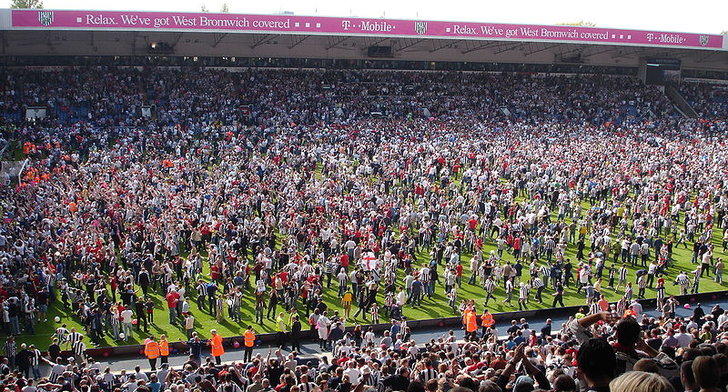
{"x":45,"y":17}
{"x":420,"y":27}
{"x":704,"y":40}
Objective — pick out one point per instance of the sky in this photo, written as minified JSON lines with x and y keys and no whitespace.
{"x":693,"y":16}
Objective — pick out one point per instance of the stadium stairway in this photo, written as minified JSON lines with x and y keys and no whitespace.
{"x":681,"y":105}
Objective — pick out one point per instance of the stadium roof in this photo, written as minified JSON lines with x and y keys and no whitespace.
{"x":121,"y":33}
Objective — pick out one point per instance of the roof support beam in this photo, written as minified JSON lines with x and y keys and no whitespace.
{"x":576,"y":49}
{"x":443,"y":46}
{"x":625,"y":53}
{"x":540,"y":50}
{"x":481,"y":47}
{"x":295,"y":42}
{"x":266,"y":38}
{"x":706,"y":57}
{"x":409,"y":45}
{"x":216,"y":38}
{"x":337,"y":42}
{"x":598,"y":52}
{"x":508,"y":49}
{"x":379,"y":42}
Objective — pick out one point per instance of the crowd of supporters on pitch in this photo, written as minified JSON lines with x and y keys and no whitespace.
{"x":283,"y":180}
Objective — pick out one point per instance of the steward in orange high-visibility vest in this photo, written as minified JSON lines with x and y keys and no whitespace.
{"x":216,"y":346}
{"x":471,"y":324}
{"x":486,"y":321}
{"x":249,"y":341}
{"x":163,"y":349}
{"x":151,"y":351}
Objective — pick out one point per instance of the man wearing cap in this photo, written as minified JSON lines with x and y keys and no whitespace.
{"x":216,"y":348}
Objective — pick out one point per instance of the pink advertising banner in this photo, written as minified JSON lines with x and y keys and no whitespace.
{"x":178,"y":21}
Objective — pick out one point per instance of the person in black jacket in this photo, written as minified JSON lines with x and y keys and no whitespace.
{"x":546,"y":331}
{"x":144,"y":281}
{"x":335,"y":334}
{"x":96,"y":326}
{"x":296,"y":334}
{"x":195,"y":345}
{"x":141,"y":313}
{"x":54,"y":350}
{"x":22,"y":360}
{"x":399,"y":381}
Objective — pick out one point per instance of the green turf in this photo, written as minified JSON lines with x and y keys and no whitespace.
{"x":436,"y":307}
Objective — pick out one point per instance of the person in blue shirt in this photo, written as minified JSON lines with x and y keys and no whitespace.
{"x":395,"y":328}
{"x":519,"y":338}
{"x":154,"y":384}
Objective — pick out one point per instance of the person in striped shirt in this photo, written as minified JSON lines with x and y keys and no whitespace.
{"x":682,"y":280}
{"x":10,"y":348}
{"x":489,"y":288}
{"x":523,"y":296}
{"x":452,"y":298}
{"x":509,"y":291}
{"x":428,"y":373}
{"x":35,"y":361}
{"x":305,"y":385}
{"x":79,"y":350}
{"x":539,"y":286}
{"x":74,"y":337}
{"x":641,"y":286}
{"x":622,"y":276}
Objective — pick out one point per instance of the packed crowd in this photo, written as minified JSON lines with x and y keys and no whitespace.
{"x":710,"y":101}
{"x":108,"y":96}
{"x":597,"y":352}
{"x":343,"y":181}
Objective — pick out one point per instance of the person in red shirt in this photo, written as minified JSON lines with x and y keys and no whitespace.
{"x":172,"y":299}
{"x":459,"y":274}
{"x":344,"y":262}
{"x":215,"y":274}
{"x":472,"y":224}
{"x":517,"y":247}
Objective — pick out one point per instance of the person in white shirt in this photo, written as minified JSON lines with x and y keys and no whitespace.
{"x":29,"y":387}
{"x":322,"y":324}
{"x":140,"y":375}
{"x":636,"y":308}
{"x":353,"y":372}
{"x":131,"y":385}
{"x":683,"y":338}
{"x":126,"y":322}
{"x":722,"y":319}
